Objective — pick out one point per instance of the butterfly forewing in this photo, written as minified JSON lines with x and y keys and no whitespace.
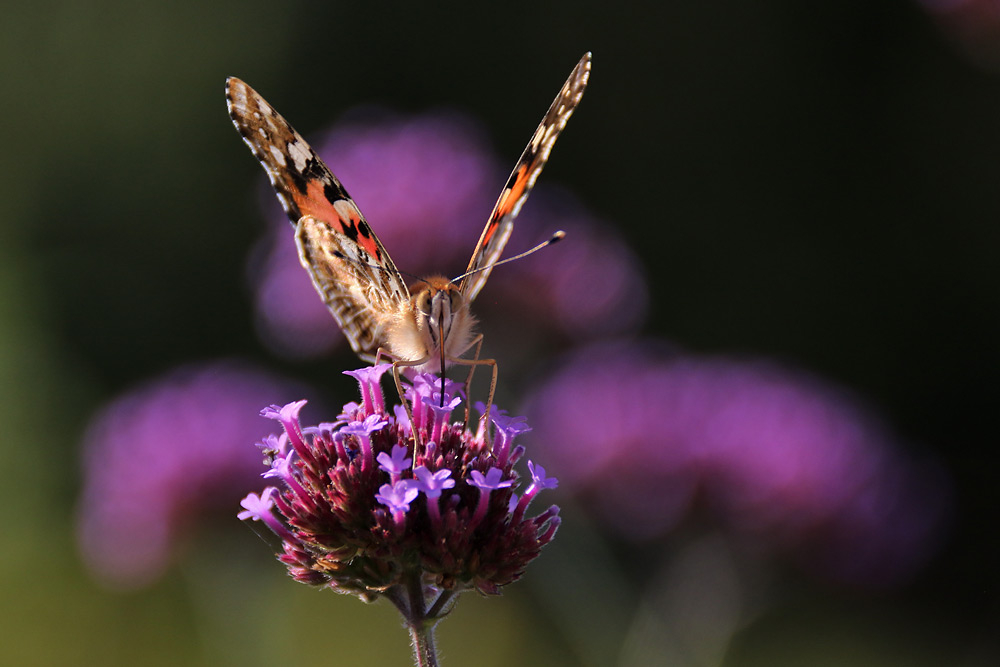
{"x":348,"y":264}
{"x":526,"y":171}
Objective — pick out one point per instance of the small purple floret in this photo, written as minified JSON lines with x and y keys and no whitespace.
{"x":363,"y":430}
{"x":396,"y":463}
{"x":433,"y":483}
{"x":371,"y":391}
{"x":259,"y":508}
{"x":539,"y":480}
{"x":254,"y":506}
{"x":493,"y":479}
{"x":288,"y":415}
{"x":397,"y":497}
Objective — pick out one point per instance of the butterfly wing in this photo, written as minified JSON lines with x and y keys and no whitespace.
{"x":501,"y":221}
{"x":348,"y":265}
{"x":364,"y":297}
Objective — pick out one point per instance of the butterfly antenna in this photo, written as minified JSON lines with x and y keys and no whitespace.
{"x":555,"y":238}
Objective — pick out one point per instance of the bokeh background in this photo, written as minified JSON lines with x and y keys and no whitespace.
{"x":805,"y":188}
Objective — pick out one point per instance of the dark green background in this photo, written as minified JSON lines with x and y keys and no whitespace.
{"x":817,"y":182}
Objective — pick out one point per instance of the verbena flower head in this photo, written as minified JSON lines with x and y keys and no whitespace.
{"x":372,"y":504}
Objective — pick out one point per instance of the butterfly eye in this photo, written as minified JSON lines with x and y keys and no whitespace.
{"x":424,"y":303}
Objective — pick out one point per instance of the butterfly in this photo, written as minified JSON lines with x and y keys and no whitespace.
{"x":432,"y":327}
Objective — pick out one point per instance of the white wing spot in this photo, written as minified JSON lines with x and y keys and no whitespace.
{"x":278,"y":156}
{"x":300,"y":154}
{"x":346,"y":209}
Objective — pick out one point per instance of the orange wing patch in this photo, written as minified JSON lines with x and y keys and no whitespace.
{"x":315,"y":203}
{"x":513,"y":193}
{"x":342,"y":215}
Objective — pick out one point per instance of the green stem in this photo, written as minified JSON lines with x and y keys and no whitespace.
{"x":421,"y":627}
{"x":424,"y":651}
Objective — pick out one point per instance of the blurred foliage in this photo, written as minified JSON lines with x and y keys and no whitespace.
{"x":811,"y":181}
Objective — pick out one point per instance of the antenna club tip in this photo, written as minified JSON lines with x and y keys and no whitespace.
{"x":558,"y":236}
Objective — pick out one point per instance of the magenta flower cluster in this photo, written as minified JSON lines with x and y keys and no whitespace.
{"x":782,"y":459}
{"x":160,"y":459}
{"x":372,"y":503}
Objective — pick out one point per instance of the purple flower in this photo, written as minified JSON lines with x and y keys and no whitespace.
{"x":256,"y":507}
{"x":433,"y":483}
{"x":288,"y":415}
{"x":368,"y":530}
{"x":362,"y":431}
{"x":590,"y":286}
{"x":506,"y":428}
{"x":260,"y":508}
{"x":538,"y":482}
{"x":396,"y":463}
{"x":397,"y":497}
{"x":431,"y":409}
{"x":492,"y":480}
{"x":771,"y":452}
{"x":371,"y":391}
{"x":435,"y":173}
{"x":366,"y":426}
{"x":155,"y":460}
{"x":538,"y":479}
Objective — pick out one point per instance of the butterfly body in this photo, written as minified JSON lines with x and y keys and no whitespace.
{"x":430,"y":328}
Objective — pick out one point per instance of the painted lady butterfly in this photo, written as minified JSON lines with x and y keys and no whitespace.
{"x":431,"y":328}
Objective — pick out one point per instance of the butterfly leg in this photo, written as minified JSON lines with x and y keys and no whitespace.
{"x":484,"y":420}
{"x":399,"y":387}
{"x":396,"y":365}
{"x":477,"y":342}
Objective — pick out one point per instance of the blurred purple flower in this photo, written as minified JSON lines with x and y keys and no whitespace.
{"x":161,"y":455}
{"x":427,"y":184}
{"x":590,"y":286}
{"x":779,"y":456}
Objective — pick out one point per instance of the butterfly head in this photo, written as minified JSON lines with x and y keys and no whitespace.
{"x":442,"y":317}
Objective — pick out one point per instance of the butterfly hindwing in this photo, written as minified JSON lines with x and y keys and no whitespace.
{"x":522,"y":179}
{"x":363,"y":297}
